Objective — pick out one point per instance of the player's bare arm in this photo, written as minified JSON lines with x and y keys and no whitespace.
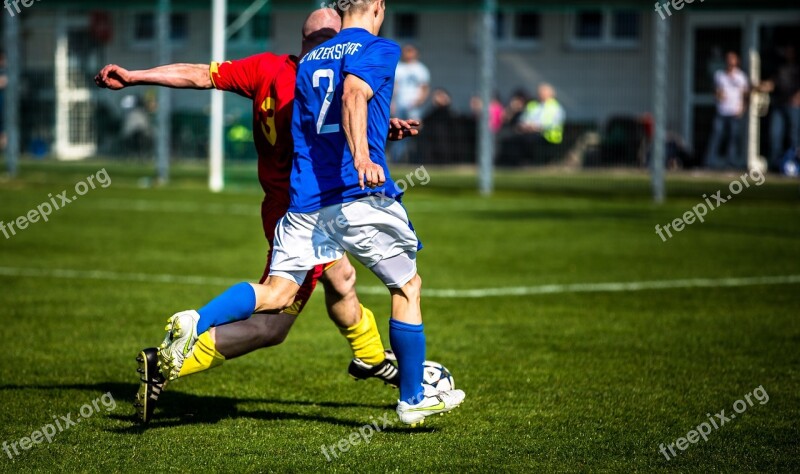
{"x":357,"y":94}
{"x":176,"y":76}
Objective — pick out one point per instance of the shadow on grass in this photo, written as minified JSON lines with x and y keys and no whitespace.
{"x":177,"y":408}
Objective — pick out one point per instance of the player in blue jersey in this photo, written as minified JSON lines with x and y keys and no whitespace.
{"x":342,"y":200}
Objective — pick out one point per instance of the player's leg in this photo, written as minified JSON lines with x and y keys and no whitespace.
{"x":357,"y":324}
{"x":214,"y":347}
{"x":233,"y":340}
{"x":237,"y":303}
{"x":293,"y":255}
{"x":407,"y":336}
{"x":211,"y":349}
{"x":380,"y":236}
{"x":237,"y":339}
{"x":406,"y":331}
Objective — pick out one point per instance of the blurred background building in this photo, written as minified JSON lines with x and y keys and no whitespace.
{"x":599,"y":59}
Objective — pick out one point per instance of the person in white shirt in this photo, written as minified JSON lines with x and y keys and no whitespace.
{"x":732,"y":88}
{"x":411,"y":91}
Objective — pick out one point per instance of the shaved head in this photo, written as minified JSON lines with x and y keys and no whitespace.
{"x":320,"y":26}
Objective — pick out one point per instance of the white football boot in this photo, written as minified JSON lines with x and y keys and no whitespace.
{"x":433,"y":403}
{"x":181,"y":336}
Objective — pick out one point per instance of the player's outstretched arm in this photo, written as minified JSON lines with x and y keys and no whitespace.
{"x":177,"y":76}
{"x":354,"y":121}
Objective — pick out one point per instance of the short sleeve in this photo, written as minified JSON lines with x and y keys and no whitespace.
{"x":424,"y":74}
{"x":718,"y":79}
{"x":376,"y":65}
{"x":240,"y":76}
{"x":745,"y":83}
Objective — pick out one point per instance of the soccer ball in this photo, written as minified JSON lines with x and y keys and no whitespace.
{"x":436,"y":378}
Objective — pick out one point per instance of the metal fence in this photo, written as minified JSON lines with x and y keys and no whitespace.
{"x":601,"y":62}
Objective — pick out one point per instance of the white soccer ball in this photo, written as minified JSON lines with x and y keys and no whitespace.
{"x":437,"y":378}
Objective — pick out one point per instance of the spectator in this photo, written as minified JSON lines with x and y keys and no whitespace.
{"x":496,"y":111}
{"x":440,"y":104}
{"x":137,"y":133}
{"x":515,"y":109}
{"x":545,"y":117}
{"x":731,"y":88}
{"x":412,"y":87}
{"x":440,"y":129}
{"x":785,"y":118}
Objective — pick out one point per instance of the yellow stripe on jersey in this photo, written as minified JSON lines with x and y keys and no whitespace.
{"x":214,"y":69}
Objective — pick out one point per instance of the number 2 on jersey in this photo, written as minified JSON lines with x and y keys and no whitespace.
{"x":326,"y":104}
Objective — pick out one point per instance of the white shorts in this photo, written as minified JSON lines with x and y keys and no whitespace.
{"x":373,"y":229}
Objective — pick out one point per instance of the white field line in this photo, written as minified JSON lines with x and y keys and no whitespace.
{"x":188,"y":207}
{"x":429,"y":293}
{"x":182,"y":207}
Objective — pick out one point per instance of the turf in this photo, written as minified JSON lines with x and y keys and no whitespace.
{"x":575,"y":382}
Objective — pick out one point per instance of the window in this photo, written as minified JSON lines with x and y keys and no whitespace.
{"x":606,"y":28}
{"x":144,"y":27}
{"x":406,"y":26}
{"x":261,"y":27}
{"x":500,"y":26}
{"x":626,"y":25}
{"x":179,"y":27}
{"x":526,"y":26}
{"x":257,"y":30}
{"x":589,"y":25}
{"x":517,"y":29}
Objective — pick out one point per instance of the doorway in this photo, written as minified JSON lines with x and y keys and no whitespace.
{"x":76,"y":61}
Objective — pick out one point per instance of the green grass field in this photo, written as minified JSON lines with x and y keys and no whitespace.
{"x":567,"y":381}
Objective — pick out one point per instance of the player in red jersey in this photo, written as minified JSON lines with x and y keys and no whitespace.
{"x":269,"y":81}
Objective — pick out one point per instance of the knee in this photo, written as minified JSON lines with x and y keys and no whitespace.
{"x":273,"y":298}
{"x":341,"y":281}
{"x":413,"y":289}
{"x":348,"y":281}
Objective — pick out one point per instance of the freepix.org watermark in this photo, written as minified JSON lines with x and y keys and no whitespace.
{"x":362,"y":435}
{"x":418,"y":176}
{"x":699,"y":212}
{"x":14,"y":6}
{"x":717,"y":421}
{"x":60,"y":424}
{"x":677,"y":5}
{"x":55,"y":203}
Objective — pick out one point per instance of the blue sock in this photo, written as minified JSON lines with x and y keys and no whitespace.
{"x":408,"y":343}
{"x":237,"y":303}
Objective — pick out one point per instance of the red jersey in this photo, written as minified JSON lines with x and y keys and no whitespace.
{"x":268,"y":80}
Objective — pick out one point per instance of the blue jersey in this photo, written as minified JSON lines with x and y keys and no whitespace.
{"x":323,"y":173}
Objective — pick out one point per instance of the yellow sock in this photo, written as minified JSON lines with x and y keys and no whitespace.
{"x":204,"y":356}
{"x":364,"y":338}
